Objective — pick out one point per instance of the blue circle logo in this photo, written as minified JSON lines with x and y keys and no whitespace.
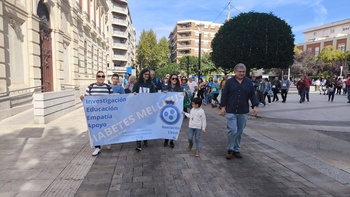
{"x":170,"y":114}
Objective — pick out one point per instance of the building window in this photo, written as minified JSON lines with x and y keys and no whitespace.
{"x":346,"y":28}
{"x":341,"y":47}
{"x":317,"y":51}
{"x":332,"y":30}
{"x":315,"y":33}
{"x":325,"y":32}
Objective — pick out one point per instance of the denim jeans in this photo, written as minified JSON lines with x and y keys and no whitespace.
{"x":197,"y":134}
{"x":206,"y":100}
{"x":348,"y":92}
{"x":302,"y":95}
{"x":307,"y":90}
{"x":235,"y":125}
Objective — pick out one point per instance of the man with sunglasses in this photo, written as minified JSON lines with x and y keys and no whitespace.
{"x":98,"y":88}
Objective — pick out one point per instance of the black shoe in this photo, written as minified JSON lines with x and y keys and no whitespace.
{"x":138,"y":146}
{"x":145,"y":143}
{"x":166,"y":142}
{"x":172,"y":145}
{"x":237,"y":154}
{"x":229,"y":155}
{"x":212,"y":105}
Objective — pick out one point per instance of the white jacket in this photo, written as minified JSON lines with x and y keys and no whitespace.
{"x":197,"y":118}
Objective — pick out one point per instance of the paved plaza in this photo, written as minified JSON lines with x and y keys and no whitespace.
{"x":290,"y":149}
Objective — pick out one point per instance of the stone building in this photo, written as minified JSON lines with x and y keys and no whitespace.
{"x":47,"y":45}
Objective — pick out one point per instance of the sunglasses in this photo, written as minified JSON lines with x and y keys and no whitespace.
{"x":101,"y":76}
{"x":173,"y":78}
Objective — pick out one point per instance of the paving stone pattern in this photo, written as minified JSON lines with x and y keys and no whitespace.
{"x":162,"y":171}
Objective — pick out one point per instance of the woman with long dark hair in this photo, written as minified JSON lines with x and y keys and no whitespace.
{"x":173,"y":86}
{"x":143,"y":85}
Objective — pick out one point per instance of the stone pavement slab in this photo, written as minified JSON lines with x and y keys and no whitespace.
{"x":55,"y":159}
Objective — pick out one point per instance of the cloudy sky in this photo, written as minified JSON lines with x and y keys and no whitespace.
{"x":162,"y":15}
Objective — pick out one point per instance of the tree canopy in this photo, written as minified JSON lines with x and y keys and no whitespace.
{"x":334,"y":59}
{"x":259,"y":40}
{"x":151,"y":54}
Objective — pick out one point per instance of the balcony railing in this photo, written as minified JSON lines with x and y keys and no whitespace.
{"x":120,"y":21}
{"x":120,"y":45}
{"x":120,"y":10}
{"x":120,"y":33}
{"x":120,"y":57}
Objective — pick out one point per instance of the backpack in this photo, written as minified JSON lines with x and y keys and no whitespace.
{"x":108,"y":87}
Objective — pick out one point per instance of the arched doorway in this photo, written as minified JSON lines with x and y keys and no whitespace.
{"x":45,"y":48}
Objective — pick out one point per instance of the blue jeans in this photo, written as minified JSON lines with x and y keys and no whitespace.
{"x":302,"y":95}
{"x":206,"y":100}
{"x":197,"y":134}
{"x":348,"y":92}
{"x":307,"y":90}
{"x":235,"y":125}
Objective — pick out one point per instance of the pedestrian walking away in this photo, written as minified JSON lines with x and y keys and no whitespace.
{"x":235,"y":106}
{"x":196,"y":125}
{"x":98,"y":88}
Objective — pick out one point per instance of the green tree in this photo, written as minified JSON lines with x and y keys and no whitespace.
{"x":168,"y":68}
{"x":208,"y":66}
{"x":151,"y":54}
{"x":145,"y":53}
{"x":189,"y":64}
{"x":334,"y":59}
{"x":259,"y":40}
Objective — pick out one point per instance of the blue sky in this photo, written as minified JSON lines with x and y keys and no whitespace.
{"x":162,"y":15}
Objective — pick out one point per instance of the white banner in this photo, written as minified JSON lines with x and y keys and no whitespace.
{"x":119,"y":118}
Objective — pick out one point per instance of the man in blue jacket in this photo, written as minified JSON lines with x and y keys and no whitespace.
{"x":235,"y":106}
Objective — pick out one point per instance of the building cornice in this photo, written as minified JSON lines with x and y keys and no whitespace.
{"x":15,"y":10}
{"x":333,"y":24}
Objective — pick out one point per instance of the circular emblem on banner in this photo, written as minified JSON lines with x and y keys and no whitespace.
{"x":170,"y":114}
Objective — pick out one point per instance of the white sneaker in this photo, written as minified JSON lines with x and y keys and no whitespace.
{"x":96,"y":151}
{"x":109,"y":146}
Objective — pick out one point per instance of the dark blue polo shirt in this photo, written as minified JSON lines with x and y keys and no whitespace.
{"x":235,"y":96}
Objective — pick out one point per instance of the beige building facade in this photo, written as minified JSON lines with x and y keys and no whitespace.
{"x":122,"y":38}
{"x":334,"y":34}
{"x":49,"y":44}
{"x":184,"y":39}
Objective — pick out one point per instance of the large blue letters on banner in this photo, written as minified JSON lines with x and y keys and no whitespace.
{"x":119,"y":118}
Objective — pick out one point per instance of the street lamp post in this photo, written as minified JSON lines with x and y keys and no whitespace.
{"x":200,"y":27}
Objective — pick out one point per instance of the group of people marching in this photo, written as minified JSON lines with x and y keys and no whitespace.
{"x":146,"y":83}
{"x":235,"y":94}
